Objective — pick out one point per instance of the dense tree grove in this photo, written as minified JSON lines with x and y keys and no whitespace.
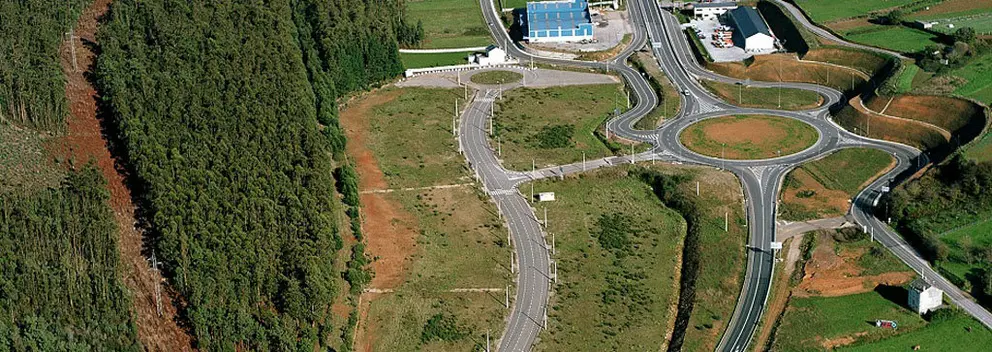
{"x":218,"y":104}
{"x":32,"y":87}
{"x":60,"y":285}
{"x":956,"y":194}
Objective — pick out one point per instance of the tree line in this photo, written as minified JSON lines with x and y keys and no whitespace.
{"x":60,"y":285}
{"x":32,"y":87}
{"x":229,"y":117}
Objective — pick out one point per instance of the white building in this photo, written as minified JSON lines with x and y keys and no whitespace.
{"x":493,"y":56}
{"x":711,"y":10}
{"x":924,"y":297}
{"x":750,"y":30}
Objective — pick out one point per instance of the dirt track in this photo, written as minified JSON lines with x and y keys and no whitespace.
{"x":85,"y":141}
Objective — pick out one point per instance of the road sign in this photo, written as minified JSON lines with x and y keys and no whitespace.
{"x":776,"y":245}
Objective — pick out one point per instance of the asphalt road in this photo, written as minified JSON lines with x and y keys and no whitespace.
{"x":659,"y":31}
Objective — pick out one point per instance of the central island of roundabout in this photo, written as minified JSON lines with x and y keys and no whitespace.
{"x":748,"y":137}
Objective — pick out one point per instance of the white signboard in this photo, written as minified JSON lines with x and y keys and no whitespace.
{"x":776,"y":245}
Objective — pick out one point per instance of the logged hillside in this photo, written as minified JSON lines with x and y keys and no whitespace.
{"x":60,"y":285}
{"x":32,"y":87}
{"x":218,"y":106}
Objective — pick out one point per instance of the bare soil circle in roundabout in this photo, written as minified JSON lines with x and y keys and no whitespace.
{"x":748,"y":137}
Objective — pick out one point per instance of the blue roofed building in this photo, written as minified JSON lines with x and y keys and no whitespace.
{"x":556,"y":21}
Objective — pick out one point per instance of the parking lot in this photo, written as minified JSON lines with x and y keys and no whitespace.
{"x":707,"y":28}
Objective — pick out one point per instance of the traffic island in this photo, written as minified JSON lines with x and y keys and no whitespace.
{"x":748,"y":137}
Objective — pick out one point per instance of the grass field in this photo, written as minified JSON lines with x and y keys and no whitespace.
{"x":449,"y":23}
{"x":721,"y":253}
{"x":461,"y":245}
{"x":823,"y":188}
{"x":433,"y":60}
{"x":748,"y":136}
{"x":906,"y":77}
{"x":24,"y":166}
{"x":610,"y":299}
{"x":823,"y":11}
{"x":456,"y":239}
{"x":978,"y":73}
{"x":587,"y":314}
{"x":553,"y":126}
{"x":980,"y":150}
{"x":513,"y":4}
{"x":952,"y":8}
{"x":496,"y":76}
{"x":814,"y":321}
{"x":898,"y":38}
{"x":411,"y":137}
{"x":671,"y":101}
{"x":771,"y":98}
{"x":958,"y":333}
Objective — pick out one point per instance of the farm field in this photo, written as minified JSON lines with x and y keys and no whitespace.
{"x":898,"y":38}
{"x":426,"y":242}
{"x":824,"y":11}
{"x":978,"y":74}
{"x":981,"y":22}
{"x":771,"y":98}
{"x":748,"y":136}
{"x":552,"y":126}
{"x":417,"y":60}
{"x":952,"y":8}
{"x":617,"y":248}
{"x":824,"y":188}
{"x":449,"y":23}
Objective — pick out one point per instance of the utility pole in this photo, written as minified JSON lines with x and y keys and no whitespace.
{"x":487,"y":341}
{"x":533,"y":165}
{"x":555,"y":263}
{"x":545,"y":217}
{"x":697,"y":188}
{"x":512,"y":271}
{"x":583,"y":161}
{"x":499,"y":146}
{"x":552,"y":243}
{"x":726,"y":221}
{"x":158,"y":286}
{"x":628,"y":100}
{"x":492,"y":116}
{"x":499,"y":210}
{"x":506,"y":299}
{"x":632,"y":153}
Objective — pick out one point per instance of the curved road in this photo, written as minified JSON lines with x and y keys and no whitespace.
{"x":761,"y":178}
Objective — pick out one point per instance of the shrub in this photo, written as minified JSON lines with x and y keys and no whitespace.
{"x":556,"y":136}
{"x":442,"y":327}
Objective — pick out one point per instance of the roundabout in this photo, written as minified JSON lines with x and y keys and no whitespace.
{"x":748,"y":137}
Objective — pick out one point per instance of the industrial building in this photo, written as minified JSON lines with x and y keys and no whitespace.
{"x":711,"y":10}
{"x":750,"y":30}
{"x":557,"y":21}
{"x":924,"y":297}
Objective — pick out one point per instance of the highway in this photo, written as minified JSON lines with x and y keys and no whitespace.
{"x":761,"y":179}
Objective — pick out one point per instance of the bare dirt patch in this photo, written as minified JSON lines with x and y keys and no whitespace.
{"x":85,"y":141}
{"x":835,"y":272}
{"x":788,"y":68}
{"x":948,"y":113}
{"x":860,"y":120}
{"x":390,"y":230}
